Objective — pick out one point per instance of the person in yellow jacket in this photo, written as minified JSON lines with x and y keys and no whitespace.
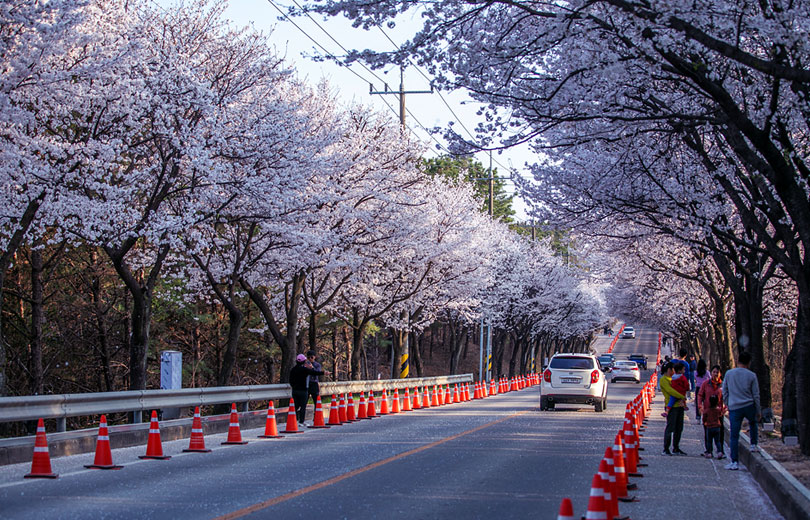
{"x":672,"y":434}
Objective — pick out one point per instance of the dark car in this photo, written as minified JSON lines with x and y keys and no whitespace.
{"x":606,"y":361}
{"x":640,"y":359}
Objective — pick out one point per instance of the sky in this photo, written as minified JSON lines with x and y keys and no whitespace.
{"x":333,"y":35}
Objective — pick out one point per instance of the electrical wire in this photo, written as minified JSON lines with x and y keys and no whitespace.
{"x":332,"y":56}
{"x":430,"y":80}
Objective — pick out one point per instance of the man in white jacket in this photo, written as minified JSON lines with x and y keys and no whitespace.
{"x":741,"y":394}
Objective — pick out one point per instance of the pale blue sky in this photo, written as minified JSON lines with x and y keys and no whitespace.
{"x":427,"y":109}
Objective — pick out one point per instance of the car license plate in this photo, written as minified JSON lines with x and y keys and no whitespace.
{"x":570,"y":379}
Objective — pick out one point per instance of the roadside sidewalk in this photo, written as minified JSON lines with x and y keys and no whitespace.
{"x":692,"y":486}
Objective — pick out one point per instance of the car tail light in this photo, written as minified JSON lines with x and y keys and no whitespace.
{"x":635,"y":368}
{"x":547,"y":376}
{"x":594,"y":376}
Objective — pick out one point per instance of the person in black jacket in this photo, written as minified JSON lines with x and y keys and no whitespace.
{"x":298,"y":382}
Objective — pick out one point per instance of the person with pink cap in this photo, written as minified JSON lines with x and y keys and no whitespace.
{"x":298,"y":382}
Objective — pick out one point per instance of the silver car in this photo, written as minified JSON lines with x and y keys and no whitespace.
{"x":628,"y":333}
{"x":625,"y":371}
{"x":573,"y":379}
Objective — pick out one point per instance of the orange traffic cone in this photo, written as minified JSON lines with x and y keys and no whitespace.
{"x":103,"y":458}
{"x":596,"y":502}
{"x":622,"y":485}
{"x":196,"y":444}
{"x":342,"y":409}
{"x":406,"y":402}
{"x":292,"y":420}
{"x":441,"y":395}
{"x":362,"y":410}
{"x":41,"y":463}
{"x":566,"y":510}
{"x":350,"y":416}
{"x":455,"y":394}
{"x":467,"y":392}
{"x":417,"y":404}
{"x":395,"y":404}
{"x":371,"y":410}
{"x":611,"y":502}
{"x":384,"y":403}
{"x":448,"y":396}
{"x":270,"y":426}
{"x":154,"y":449}
{"x":434,"y":401}
{"x":317,"y":421}
{"x":334,"y":412}
{"x":234,"y":433}
{"x":426,"y":399}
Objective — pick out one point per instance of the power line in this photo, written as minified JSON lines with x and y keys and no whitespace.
{"x":430,"y":80}
{"x":333,"y":57}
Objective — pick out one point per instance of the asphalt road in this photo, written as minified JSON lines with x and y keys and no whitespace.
{"x":496,"y":458}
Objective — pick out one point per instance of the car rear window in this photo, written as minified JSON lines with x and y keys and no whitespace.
{"x":625,"y":363}
{"x":581,"y":363}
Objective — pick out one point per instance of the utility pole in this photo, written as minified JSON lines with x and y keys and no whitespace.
{"x":403,"y":361}
{"x":401,"y":93}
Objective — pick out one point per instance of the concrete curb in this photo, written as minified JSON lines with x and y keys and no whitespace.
{"x":20,"y":449}
{"x":791,"y":497}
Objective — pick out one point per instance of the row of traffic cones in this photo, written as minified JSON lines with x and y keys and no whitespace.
{"x":610,"y":484}
{"x":342,"y":411}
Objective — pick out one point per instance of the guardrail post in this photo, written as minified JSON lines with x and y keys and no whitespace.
{"x":61,"y":424}
{"x":245,"y":406}
{"x":137,"y":418}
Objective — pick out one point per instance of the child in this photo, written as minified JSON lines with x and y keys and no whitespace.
{"x":712,"y":426}
{"x":681,"y":385}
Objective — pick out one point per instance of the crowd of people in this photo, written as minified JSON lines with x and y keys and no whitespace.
{"x":736,"y":394}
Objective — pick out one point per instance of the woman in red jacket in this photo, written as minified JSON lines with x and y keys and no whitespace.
{"x":712,"y":388}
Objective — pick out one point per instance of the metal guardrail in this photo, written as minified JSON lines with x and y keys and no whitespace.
{"x":378,"y":385}
{"x":62,"y":406}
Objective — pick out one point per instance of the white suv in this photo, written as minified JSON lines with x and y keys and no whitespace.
{"x":573,"y":379}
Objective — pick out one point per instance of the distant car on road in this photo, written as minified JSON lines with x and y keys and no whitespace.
{"x":606,"y":361}
{"x":640,"y":359}
{"x":625,"y":371}
{"x":573,"y":379}
{"x":628,"y":332}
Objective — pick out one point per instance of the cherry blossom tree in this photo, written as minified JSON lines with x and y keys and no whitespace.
{"x":726,"y":81}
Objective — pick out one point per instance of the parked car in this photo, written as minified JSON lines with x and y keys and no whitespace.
{"x":606,"y":361}
{"x":573,"y":379}
{"x":628,"y":332}
{"x":625,"y":371}
{"x":640,"y":359}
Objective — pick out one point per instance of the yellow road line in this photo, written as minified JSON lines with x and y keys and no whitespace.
{"x":298,"y":492}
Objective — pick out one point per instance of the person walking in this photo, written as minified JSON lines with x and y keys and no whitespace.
{"x":712,"y":390}
{"x":702,"y":375}
{"x":674,"y":429}
{"x":298,"y":382}
{"x":313,"y":387}
{"x":741,"y":392}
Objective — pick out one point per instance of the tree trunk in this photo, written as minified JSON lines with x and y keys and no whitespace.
{"x":37,"y":300}
{"x":417,"y":340}
{"x":6,"y":258}
{"x":796,"y":389}
{"x":358,"y":331}
{"x":235,"y":319}
{"x":103,"y":340}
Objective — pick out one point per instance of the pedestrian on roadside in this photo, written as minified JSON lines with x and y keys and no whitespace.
{"x":680,"y":384}
{"x":692,"y":361}
{"x":702,"y":375}
{"x":674,"y":429}
{"x":712,"y":391}
{"x":313,"y":386}
{"x":298,"y":382}
{"x":741,"y":391}
{"x":681,"y":359}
